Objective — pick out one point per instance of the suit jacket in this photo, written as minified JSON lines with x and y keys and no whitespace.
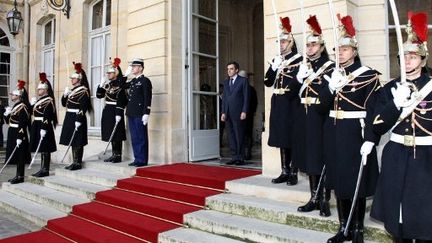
{"x":236,"y":98}
{"x":140,"y":96}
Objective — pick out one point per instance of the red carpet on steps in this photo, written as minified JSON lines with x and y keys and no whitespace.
{"x":139,"y":208}
{"x":200,"y":175}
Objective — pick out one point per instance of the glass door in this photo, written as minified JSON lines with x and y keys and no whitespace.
{"x":203,"y":79}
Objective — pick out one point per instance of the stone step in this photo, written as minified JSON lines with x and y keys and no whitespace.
{"x":251,"y":230}
{"x":184,"y":235}
{"x":46,"y":196}
{"x":34,"y":212}
{"x":70,"y":186}
{"x":261,"y":186}
{"x":92,"y":176}
{"x":286,"y":213}
{"x":121,"y":168}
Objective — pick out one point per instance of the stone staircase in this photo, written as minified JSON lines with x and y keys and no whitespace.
{"x":253,"y":210}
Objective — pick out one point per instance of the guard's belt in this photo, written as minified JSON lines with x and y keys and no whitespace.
{"x":410,"y":141}
{"x":13,"y":125}
{"x":309,"y":100}
{"x":73,"y":110}
{"x":38,"y":118}
{"x":280,"y":91}
{"x":110,"y":103}
{"x":340,"y":114}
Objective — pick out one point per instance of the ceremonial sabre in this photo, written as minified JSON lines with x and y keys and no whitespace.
{"x":278,"y":32}
{"x":335,"y":32}
{"x":70,"y":143}
{"x":10,"y":157}
{"x":354,"y":200}
{"x":37,"y":151}
{"x":399,"y":40}
{"x":315,"y":197}
{"x":304,"y":31}
{"x":111,"y":137}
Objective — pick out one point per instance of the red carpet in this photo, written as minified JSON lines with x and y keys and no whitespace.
{"x":140,"y":207}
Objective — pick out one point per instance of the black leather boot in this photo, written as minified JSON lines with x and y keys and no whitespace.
{"x":343,"y":208}
{"x":283,"y":177}
{"x":45,"y":165}
{"x":313,"y":201}
{"x":77,"y":159}
{"x":293,"y":177}
{"x":325,"y":201}
{"x":358,"y":220}
{"x":109,"y":159}
{"x":423,"y":241}
{"x":400,"y":240}
{"x":19,"y":178}
{"x":117,"y":151}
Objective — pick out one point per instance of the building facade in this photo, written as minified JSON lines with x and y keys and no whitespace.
{"x":185,"y":45}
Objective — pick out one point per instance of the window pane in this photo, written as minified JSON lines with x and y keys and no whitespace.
{"x":204,"y":78}
{"x":3,"y":80}
{"x":48,"y":62}
{"x":96,"y":52}
{"x":3,"y":92}
{"x":204,"y":40}
{"x":47,"y":33}
{"x":107,"y":49}
{"x":205,"y":112}
{"x":108,"y":13}
{"x":393,"y":51}
{"x":54,"y":31}
{"x":97,"y":15}
{"x":205,"y":8}
{"x":403,"y":6}
{"x":4,"y":41}
{"x":5,"y":57}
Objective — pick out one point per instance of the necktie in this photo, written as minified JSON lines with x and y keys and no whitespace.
{"x":231,"y":82}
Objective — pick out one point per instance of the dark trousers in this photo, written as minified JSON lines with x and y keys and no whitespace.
{"x":139,"y":137}
{"x":236,"y":138}
{"x":117,"y":147}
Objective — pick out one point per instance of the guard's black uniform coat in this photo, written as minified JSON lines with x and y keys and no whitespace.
{"x":78,"y":99}
{"x":308,"y":123}
{"x":343,"y":138}
{"x":116,"y":97}
{"x":140,"y":96}
{"x":18,"y":120}
{"x":282,"y":105}
{"x":404,"y":179}
{"x":43,"y":118}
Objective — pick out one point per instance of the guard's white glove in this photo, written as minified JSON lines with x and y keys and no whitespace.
{"x":118,"y":119}
{"x":128,"y":71}
{"x":277,"y":60}
{"x":42,"y":133}
{"x":145,"y":119}
{"x":103,"y":82}
{"x":366,"y":148}
{"x":18,"y":142}
{"x":66,"y":92}
{"x":303,"y":72}
{"x":337,"y":80}
{"x":33,"y":101}
{"x":8,"y":110}
{"x":77,"y":125}
{"x":401,"y":94}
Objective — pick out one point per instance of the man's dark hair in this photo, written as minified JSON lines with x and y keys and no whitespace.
{"x":236,"y":65}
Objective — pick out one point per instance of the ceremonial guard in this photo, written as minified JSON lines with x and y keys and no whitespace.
{"x":350,"y":99}
{"x":404,"y":193}
{"x":18,"y":118}
{"x":77,"y":103}
{"x":138,"y":111}
{"x":308,"y":124}
{"x":113,"y":125}
{"x":279,"y":75}
{"x":44,"y":121}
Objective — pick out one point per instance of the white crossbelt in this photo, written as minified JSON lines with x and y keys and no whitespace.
{"x":110,"y":103}
{"x":340,"y":114}
{"x":409,"y":140}
{"x":73,"y":110}
{"x":309,"y":100}
{"x":13,"y":125}
{"x":38,"y":118}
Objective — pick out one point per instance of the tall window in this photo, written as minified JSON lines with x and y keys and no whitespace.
{"x":100,"y":50}
{"x":5,"y":72}
{"x":48,"y":49}
{"x":403,"y":8}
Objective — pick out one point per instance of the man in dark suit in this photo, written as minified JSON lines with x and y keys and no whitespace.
{"x":235,"y":102}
